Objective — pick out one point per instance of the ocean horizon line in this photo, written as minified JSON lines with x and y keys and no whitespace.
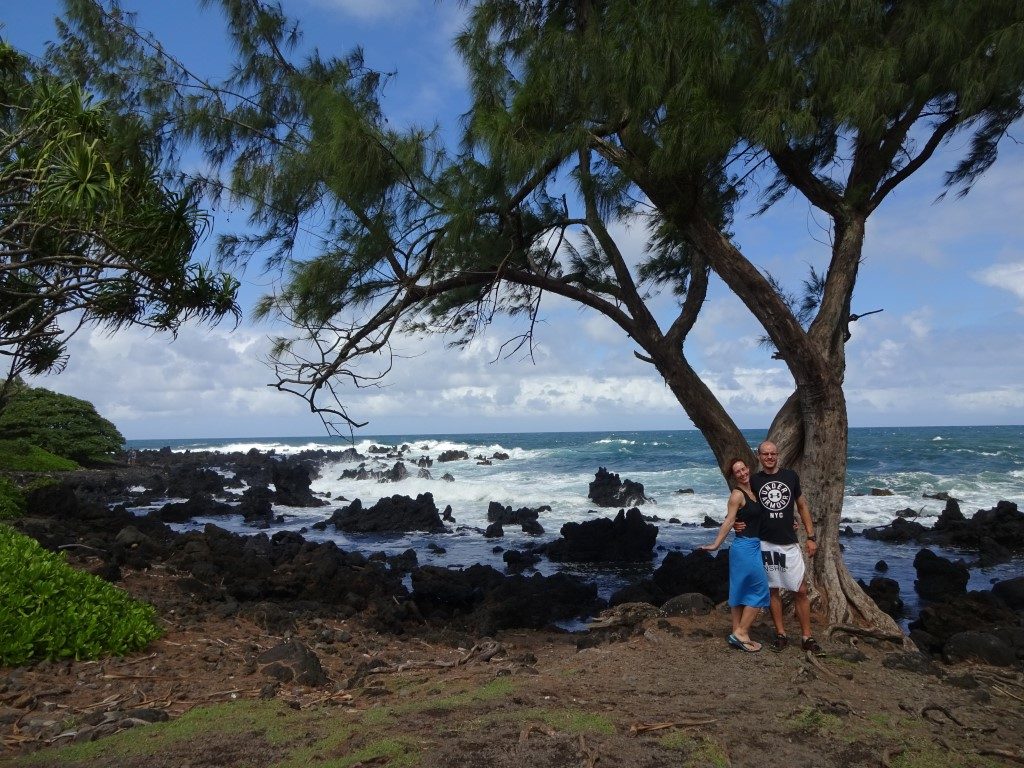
{"x":376,"y":435}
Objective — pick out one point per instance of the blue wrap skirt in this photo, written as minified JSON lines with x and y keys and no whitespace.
{"x":748,"y":581}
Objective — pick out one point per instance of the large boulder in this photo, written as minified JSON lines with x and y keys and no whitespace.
{"x":292,"y":662}
{"x":291,"y":485}
{"x":524,"y":517}
{"x":886,"y":594}
{"x":389,"y":515}
{"x":396,"y":474}
{"x":970,"y":612}
{"x":697,"y":571}
{"x":627,"y":537}
{"x":899,"y":531}
{"x":188,"y":481}
{"x":200,"y":505}
{"x":482,"y":599}
{"x":517,"y":560}
{"x":256,"y":506}
{"x":1011,"y":592}
{"x":997,"y":533}
{"x":978,"y":647}
{"x":939,"y":578}
{"x":607,"y":490}
{"x":688,"y":604}
{"x":289,"y":570}
{"x":679,"y":574}
{"x":951,"y":517}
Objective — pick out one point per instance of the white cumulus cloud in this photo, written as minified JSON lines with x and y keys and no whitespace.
{"x":1008,"y":276}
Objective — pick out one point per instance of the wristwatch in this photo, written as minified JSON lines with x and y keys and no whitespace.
{"x":813,"y":538}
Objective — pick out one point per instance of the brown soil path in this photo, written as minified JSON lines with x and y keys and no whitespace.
{"x":671,"y":693}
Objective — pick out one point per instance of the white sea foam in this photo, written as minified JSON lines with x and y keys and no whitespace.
{"x":614,"y":441}
{"x":937,"y":438}
{"x":266,"y":446}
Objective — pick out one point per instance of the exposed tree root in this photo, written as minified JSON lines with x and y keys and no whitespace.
{"x":590,"y":756}
{"x":818,"y":665}
{"x":876,"y":634}
{"x":1003,"y":753}
{"x":889,"y":755}
{"x":939,"y":708}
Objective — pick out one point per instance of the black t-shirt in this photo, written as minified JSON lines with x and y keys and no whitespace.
{"x":752,"y":514}
{"x":777,"y":495}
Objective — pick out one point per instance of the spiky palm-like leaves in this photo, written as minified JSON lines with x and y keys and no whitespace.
{"x":88,"y":233}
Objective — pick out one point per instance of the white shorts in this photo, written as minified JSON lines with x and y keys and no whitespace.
{"x":784,"y":564}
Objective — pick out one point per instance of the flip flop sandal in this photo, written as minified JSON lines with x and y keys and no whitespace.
{"x":740,"y":645}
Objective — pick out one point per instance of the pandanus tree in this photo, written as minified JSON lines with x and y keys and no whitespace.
{"x":89,"y":232}
{"x":586,"y":113}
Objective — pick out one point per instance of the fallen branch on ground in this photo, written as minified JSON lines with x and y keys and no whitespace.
{"x":546,"y":730}
{"x":637,"y":728}
{"x":1004,"y":692}
{"x":481,"y":652}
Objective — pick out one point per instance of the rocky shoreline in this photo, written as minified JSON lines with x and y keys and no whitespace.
{"x":396,"y":593}
{"x":304,"y":593}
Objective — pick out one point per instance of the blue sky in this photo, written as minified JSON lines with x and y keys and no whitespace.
{"x":948,"y":349}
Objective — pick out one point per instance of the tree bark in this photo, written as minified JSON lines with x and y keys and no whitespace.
{"x":823,"y":481}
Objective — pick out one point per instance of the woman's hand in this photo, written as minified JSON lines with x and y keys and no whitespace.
{"x":708,"y":547}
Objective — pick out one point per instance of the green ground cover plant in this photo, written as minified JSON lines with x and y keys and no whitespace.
{"x":51,"y":611}
{"x":23,"y":456}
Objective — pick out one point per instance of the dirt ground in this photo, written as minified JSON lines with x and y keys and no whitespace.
{"x":668,"y":692}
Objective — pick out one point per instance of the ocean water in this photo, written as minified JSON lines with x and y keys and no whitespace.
{"x":977,"y":465}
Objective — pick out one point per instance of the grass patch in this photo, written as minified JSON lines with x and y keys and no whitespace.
{"x":700,"y":751}
{"x":51,"y":611}
{"x":304,"y":738}
{"x":391,"y":752}
{"x":318,"y":753}
{"x":811,"y":720}
{"x":270,"y":721}
{"x":22,"y":456}
{"x":571,"y":720}
{"x":922,"y":753}
{"x":494,"y":690}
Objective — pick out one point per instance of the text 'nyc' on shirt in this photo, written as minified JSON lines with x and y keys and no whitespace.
{"x":778,"y":494}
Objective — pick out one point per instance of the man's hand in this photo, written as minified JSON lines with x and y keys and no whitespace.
{"x":739,"y":527}
{"x":812,"y":547}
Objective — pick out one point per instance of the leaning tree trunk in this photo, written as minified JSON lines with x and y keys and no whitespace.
{"x":823,"y":480}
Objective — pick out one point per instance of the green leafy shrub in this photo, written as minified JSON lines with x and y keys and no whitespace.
{"x":22,"y":456}
{"x":12,"y":501}
{"x":61,"y":424}
{"x":48,"y":610}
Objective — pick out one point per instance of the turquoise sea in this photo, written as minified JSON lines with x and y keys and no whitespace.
{"x":977,"y":465}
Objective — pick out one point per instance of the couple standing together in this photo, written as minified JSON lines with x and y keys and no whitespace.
{"x":765,"y":556}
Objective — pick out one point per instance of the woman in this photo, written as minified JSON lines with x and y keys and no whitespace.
{"x":748,"y":582}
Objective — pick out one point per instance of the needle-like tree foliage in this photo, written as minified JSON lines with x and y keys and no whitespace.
{"x":586,"y":113}
{"x":89,"y":233}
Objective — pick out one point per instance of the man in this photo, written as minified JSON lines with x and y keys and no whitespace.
{"x":779,"y":492}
